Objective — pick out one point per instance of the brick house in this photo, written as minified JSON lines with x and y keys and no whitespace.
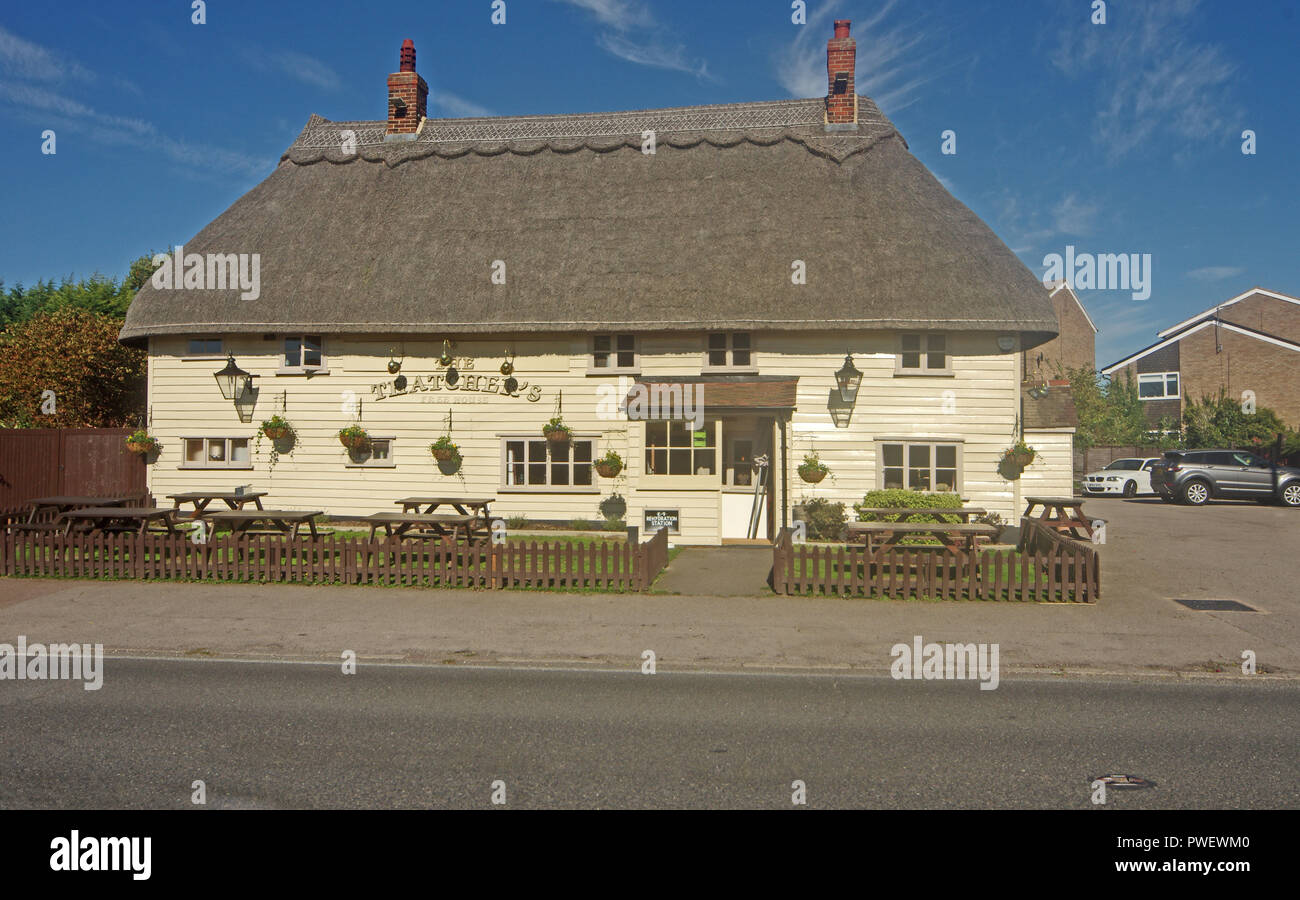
{"x":1246,"y":346}
{"x":1075,"y":347}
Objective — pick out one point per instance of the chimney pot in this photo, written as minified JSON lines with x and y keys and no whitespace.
{"x":842,"y":27}
{"x":407,"y":56}
{"x":408,"y":97}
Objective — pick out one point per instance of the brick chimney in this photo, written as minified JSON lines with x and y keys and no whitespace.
{"x":408,"y":95}
{"x":841,"y":62}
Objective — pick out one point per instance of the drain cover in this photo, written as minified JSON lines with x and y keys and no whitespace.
{"x":1215,"y":605}
{"x":1124,"y":782}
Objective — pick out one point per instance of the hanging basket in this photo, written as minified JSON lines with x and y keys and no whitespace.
{"x":812,"y":475}
{"x":558,"y":435}
{"x":144,"y":448}
{"x":608,"y":469}
{"x":277,"y":432}
{"x":1021,"y":458}
{"x":354,"y":441}
{"x":442,"y":454}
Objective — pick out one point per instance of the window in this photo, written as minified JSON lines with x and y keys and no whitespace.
{"x":674,"y":448}
{"x":536,"y":464}
{"x":919,"y":467}
{"x":1158,"y":386}
{"x":205,"y":347}
{"x":923,"y":354}
{"x":379,"y":455}
{"x":216,"y":453}
{"x":614,"y":353}
{"x":729,"y":350}
{"x":303,"y":353}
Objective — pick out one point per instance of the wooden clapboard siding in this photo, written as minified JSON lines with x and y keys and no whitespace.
{"x":184,"y":401}
{"x":1051,"y":474}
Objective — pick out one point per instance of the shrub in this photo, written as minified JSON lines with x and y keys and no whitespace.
{"x":615,"y":525}
{"x":514,"y":522}
{"x":899,"y":499}
{"x":584,"y":525}
{"x":825,"y":519}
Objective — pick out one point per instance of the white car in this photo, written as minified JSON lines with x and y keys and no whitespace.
{"x":1126,"y":477}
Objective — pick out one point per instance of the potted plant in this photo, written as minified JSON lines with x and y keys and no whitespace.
{"x":556,"y":431}
{"x":276,"y":428}
{"x":609,"y":465}
{"x":1020,"y":454}
{"x":812,"y":469}
{"x":445,"y":450}
{"x":141,"y":442}
{"x":354,"y":437}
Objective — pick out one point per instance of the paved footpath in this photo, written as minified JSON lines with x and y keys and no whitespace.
{"x":1232,"y":551}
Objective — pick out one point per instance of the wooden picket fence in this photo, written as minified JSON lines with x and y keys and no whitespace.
{"x":599,"y":565}
{"x":1046,"y":567}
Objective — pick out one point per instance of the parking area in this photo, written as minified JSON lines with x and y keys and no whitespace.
{"x":1228,"y":550}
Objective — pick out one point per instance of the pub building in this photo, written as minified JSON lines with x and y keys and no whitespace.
{"x":699,"y":289}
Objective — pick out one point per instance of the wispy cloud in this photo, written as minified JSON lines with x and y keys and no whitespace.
{"x":1215,"y":273}
{"x":893,"y":63}
{"x":1028,"y":226}
{"x":23,"y":59}
{"x":632,"y":34}
{"x":299,"y":66}
{"x":63,"y":113}
{"x":620,"y":14}
{"x":456,"y":106}
{"x":652,"y":53}
{"x":1158,"y":81}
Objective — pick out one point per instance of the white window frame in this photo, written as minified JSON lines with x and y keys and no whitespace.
{"x":220,"y":353}
{"x":924,"y":369}
{"x":612,"y":353}
{"x":322,"y":369}
{"x":369,"y":462}
{"x":729,"y":367}
{"x":1163,"y":378}
{"x":208,"y":462}
{"x":506,"y":487}
{"x":907,"y":444}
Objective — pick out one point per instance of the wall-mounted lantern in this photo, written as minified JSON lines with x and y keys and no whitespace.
{"x":234,"y":382}
{"x":849,"y":379}
{"x":394,"y":364}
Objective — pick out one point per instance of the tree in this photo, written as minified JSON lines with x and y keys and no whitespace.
{"x":96,"y":382}
{"x":97,"y":294}
{"x":1222,"y":422}
{"x":1110,"y":412}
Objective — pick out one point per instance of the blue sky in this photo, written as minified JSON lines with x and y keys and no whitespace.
{"x":1115,"y":138}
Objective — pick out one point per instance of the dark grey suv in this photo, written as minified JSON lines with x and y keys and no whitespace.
{"x":1197,"y":476}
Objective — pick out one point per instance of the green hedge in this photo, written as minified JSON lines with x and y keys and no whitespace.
{"x":900,"y":499}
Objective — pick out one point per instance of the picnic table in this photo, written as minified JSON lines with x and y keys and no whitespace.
{"x":465,"y":506}
{"x":438,"y":524}
{"x":63,"y":504}
{"x":286,"y":521}
{"x":119,"y":518}
{"x":201,"y":499}
{"x":1063,"y":515}
{"x":957,"y":538}
{"x":904,"y":513}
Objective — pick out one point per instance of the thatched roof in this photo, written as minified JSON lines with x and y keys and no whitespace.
{"x":401,"y":236}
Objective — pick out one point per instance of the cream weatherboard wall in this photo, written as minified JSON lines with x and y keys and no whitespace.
{"x":1052,"y":472}
{"x":976,"y":406}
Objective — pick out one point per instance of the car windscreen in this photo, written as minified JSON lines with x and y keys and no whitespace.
{"x":1128,"y":464}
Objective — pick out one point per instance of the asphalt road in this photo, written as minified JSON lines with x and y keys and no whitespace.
{"x":278,"y":735}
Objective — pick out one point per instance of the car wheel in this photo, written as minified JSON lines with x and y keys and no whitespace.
{"x":1130,"y":489}
{"x":1291,"y":494}
{"x":1196,"y":493}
